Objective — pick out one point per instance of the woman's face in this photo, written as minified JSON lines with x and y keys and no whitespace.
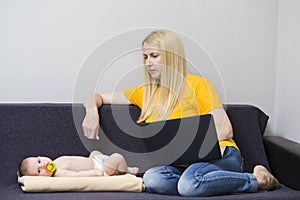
{"x":152,"y":57}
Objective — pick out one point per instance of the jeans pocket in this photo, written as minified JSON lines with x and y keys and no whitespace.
{"x":233,"y":158}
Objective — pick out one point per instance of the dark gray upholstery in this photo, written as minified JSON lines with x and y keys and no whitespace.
{"x":249,"y":123}
{"x":284,"y":157}
{"x":49,"y":129}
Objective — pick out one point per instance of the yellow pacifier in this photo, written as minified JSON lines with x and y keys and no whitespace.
{"x":50,"y":167}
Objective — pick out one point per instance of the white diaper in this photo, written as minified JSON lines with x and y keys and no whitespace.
{"x":98,"y":162}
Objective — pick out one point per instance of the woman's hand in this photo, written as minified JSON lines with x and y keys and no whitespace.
{"x":90,"y":125}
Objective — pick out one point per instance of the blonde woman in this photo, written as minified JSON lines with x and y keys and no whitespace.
{"x":171,"y":92}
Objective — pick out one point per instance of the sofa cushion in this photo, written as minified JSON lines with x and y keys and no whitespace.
{"x":248,"y":123}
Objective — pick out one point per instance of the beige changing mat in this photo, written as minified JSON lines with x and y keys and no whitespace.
{"x":127,"y":182}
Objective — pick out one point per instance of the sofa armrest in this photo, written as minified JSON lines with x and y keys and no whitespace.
{"x":284,"y":160}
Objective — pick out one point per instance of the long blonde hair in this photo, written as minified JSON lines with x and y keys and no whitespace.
{"x":172,"y":80}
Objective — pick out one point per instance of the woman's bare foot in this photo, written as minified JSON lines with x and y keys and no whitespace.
{"x":266,"y":181}
{"x":132,"y":170}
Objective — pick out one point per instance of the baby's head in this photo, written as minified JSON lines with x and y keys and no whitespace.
{"x":34,"y":166}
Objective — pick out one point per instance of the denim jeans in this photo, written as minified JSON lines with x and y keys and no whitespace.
{"x":218,"y":177}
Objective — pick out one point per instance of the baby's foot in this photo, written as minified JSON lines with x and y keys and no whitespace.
{"x":133,"y":170}
{"x":266,"y":181}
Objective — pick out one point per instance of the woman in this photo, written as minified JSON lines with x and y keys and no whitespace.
{"x":170,"y":92}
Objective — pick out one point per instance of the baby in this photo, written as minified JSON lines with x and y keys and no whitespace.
{"x":97,"y":164}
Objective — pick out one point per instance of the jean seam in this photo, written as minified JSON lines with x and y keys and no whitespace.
{"x":253,"y":183}
{"x":230,"y":151}
{"x":202,"y":178}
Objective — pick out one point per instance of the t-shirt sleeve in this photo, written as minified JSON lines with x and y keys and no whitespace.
{"x":208,"y":98}
{"x":134,"y":95}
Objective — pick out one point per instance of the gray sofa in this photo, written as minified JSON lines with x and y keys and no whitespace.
{"x":52,"y":129}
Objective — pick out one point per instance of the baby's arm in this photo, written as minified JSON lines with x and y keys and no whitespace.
{"x":68,"y":173}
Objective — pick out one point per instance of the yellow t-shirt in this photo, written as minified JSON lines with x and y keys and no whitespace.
{"x":200,"y":97}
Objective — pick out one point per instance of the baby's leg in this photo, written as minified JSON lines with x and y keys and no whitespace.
{"x":116,"y":164}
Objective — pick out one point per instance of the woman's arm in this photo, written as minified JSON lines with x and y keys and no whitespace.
{"x":90,"y":123}
{"x":222,"y":123}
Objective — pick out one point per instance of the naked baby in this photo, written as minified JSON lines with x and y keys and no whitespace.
{"x":97,"y":164}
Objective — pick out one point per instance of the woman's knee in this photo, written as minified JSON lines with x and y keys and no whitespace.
{"x":160,"y":180}
{"x":151,"y":178}
{"x":191,"y":186}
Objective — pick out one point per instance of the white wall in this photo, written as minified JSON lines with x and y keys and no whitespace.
{"x":54,"y":50}
{"x":288,"y":71}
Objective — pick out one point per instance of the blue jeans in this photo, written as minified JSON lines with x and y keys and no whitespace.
{"x":218,"y":177}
